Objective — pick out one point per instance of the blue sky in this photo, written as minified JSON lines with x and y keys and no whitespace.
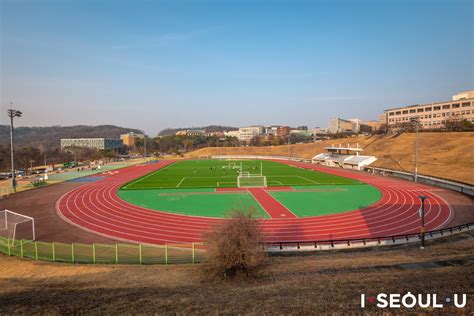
{"x":157,"y":64}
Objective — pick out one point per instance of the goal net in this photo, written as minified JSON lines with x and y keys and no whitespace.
{"x":16,"y":226}
{"x":246,"y":180}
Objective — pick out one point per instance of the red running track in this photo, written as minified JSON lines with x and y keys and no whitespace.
{"x":274,"y":208}
{"x":96,"y":207}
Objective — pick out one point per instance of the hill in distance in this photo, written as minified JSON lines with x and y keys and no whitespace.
{"x":209,"y":129}
{"x":49,"y":137}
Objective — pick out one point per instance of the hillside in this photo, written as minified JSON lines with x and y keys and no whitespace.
{"x":445,"y":155}
{"x":48,"y":137}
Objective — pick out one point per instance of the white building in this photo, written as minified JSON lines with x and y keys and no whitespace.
{"x":247,"y":133}
{"x":346,"y":157}
{"x":232,"y":134}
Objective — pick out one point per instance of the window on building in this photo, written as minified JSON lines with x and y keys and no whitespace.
{"x":455,"y":105}
{"x":446,"y":107}
{"x":391,"y":114}
{"x":420,"y":110}
{"x":466,"y":104}
{"x":405,"y":112}
{"x":427,"y":109}
{"x":398,"y":113}
{"x":436,"y":108}
{"x":413,"y":111}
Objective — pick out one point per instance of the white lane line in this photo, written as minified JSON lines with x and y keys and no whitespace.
{"x":180,"y":182}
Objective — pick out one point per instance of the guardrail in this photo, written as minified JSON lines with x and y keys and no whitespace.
{"x":193,"y":252}
{"x":103,"y":253}
{"x":333,"y":244}
{"x":434,"y":181}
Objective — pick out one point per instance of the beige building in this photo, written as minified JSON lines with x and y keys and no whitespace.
{"x":433,"y":115}
{"x":130,"y":139}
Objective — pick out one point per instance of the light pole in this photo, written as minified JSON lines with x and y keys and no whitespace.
{"x":31,"y":166}
{"x":416,"y":120}
{"x":12,"y":113}
{"x":422,"y":216}
{"x":144,"y":146}
{"x":289,"y":147}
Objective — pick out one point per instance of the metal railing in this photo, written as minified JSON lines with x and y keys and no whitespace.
{"x":103,"y":253}
{"x":331,"y":244}
{"x":434,"y":181}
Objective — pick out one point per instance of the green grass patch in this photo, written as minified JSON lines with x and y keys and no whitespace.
{"x":327,"y":199}
{"x":193,"y":202}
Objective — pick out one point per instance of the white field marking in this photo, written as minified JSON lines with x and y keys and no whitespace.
{"x":140,"y":179}
{"x":308,"y":179}
{"x":273,"y":181}
{"x":180,"y":182}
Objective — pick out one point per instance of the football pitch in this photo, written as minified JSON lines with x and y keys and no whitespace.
{"x":191,"y":174}
{"x":210,"y":188}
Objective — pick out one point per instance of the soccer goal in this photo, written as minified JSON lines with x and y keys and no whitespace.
{"x":16,"y":226}
{"x":247,"y":180}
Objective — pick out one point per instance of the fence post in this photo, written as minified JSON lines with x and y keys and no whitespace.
{"x":9,"y":247}
{"x":93,"y":253}
{"x":36,"y":250}
{"x":140,"y":253}
{"x":166,"y":254}
{"x":21,"y":248}
{"x":116,"y":254}
{"x":193,"y":251}
{"x":54,"y":251}
{"x":72,"y":253}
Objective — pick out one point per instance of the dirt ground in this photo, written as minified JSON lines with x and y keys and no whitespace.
{"x":305,"y":284}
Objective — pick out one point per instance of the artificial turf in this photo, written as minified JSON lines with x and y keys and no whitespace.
{"x":223,"y":174}
{"x":189,"y":188}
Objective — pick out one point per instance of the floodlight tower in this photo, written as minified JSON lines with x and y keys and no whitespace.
{"x":417,"y":121}
{"x":13,"y":113}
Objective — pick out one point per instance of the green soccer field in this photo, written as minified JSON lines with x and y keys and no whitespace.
{"x":223,"y":174}
{"x":191,"y":187}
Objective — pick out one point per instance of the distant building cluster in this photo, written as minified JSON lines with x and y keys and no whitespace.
{"x":434,"y":115}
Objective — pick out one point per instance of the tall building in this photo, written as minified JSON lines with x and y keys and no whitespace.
{"x":433,"y":115}
{"x":129,"y":139}
{"x":95,"y":143}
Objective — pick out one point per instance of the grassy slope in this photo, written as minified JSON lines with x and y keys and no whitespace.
{"x":446,"y":155}
{"x":315,"y":284}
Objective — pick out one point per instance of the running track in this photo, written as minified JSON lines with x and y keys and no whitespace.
{"x":96,"y":207}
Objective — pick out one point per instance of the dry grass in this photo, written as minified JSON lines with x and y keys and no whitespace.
{"x":446,"y":155}
{"x":310,"y":284}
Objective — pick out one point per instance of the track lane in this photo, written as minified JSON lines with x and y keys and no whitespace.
{"x":97,"y":208}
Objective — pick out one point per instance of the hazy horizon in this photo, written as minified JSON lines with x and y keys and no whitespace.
{"x":161,"y":64}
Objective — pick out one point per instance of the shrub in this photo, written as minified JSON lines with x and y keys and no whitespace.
{"x":234,"y":247}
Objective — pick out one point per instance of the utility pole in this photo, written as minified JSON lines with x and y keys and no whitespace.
{"x":13,"y":113}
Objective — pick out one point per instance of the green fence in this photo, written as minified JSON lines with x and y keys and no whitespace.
{"x":103,"y":253}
